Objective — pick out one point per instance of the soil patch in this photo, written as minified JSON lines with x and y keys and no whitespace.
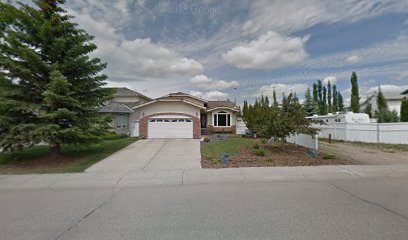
{"x":286,"y":154}
{"x":38,"y":165}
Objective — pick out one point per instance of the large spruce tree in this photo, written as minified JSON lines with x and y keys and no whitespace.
{"x":51,"y":87}
{"x":383,"y":114}
{"x":355,"y":97}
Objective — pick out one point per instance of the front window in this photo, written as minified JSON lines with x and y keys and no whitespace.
{"x":222,"y":119}
{"x":121,"y":121}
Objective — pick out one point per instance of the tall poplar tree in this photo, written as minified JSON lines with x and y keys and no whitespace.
{"x":355,"y":97}
{"x":308,"y":104}
{"x":54,"y":85}
{"x":335,"y":99}
{"x":404,"y":110}
{"x":329,"y":97}
{"x":315,"y":99}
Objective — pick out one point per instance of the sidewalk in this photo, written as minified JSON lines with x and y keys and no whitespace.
{"x":201,"y":176}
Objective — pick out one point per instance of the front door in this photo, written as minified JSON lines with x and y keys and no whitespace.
{"x":203,"y":120}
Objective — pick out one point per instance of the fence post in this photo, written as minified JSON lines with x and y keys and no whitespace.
{"x":378,"y":132}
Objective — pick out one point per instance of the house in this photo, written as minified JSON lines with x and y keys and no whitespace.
{"x":181,"y":115}
{"x":121,"y":108}
{"x":393,"y":101}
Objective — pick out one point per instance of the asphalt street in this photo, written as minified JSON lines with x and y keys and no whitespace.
{"x":347,"y":209}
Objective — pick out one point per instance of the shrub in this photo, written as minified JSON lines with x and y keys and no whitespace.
{"x":207,"y":139}
{"x":259,"y":152}
{"x":215,"y":161}
{"x":256,"y":146}
{"x":328,"y":156}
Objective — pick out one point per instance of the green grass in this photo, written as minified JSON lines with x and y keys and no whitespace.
{"x":232,"y":146}
{"x":83,"y":157}
{"x":380,"y":146}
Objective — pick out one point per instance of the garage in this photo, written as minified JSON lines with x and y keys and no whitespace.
{"x":170,"y":127}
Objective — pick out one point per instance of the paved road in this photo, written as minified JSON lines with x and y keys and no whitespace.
{"x":353,"y":209}
{"x":152,"y":155}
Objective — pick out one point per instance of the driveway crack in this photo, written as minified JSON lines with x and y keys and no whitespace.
{"x":155,"y":155}
{"x":369,"y":202}
{"x":88,"y":214}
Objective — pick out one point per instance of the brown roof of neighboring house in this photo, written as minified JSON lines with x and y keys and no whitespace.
{"x":115,"y":107}
{"x":126,"y":92}
{"x":219,"y":104}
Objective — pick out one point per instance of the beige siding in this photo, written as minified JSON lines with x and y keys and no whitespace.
{"x":167,"y":107}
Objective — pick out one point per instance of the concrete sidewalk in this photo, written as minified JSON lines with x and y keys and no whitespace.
{"x":201,"y":176}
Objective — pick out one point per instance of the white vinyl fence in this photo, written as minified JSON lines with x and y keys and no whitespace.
{"x":309,"y":141}
{"x":394,"y":133}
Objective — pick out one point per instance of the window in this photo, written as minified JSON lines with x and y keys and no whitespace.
{"x":222,"y":119}
{"x":121,"y":121}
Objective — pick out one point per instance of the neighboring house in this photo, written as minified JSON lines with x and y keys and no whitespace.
{"x":180,"y":115}
{"x":121,"y":108}
{"x":393,"y":101}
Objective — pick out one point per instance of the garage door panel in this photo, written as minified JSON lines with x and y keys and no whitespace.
{"x":168,"y":128}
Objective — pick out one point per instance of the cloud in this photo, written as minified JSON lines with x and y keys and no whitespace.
{"x":281,"y":88}
{"x":332,"y":80}
{"x":402,"y":75}
{"x":269,"y":51}
{"x":139,"y":59}
{"x":353,"y":59}
{"x":212,"y":95}
{"x":388,"y":88}
{"x":205,"y":82}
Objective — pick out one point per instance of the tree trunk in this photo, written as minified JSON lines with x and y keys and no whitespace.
{"x":55,"y":150}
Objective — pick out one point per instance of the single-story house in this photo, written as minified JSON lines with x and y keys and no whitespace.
{"x":121,"y":108}
{"x":392,"y":98}
{"x":175,"y":115}
{"x":181,"y":115}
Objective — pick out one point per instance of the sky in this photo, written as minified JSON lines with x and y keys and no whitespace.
{"x":240,"y":49}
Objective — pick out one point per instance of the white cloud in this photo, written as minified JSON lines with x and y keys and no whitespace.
{"x":205,"y":82}
{"x":332,"y":80}
{"x":388,"y":88}
{"x":269,"y":51}
{"x":138,"y":59}
{"x":353,"y":59}
{"x":281,"y":88}
{"x":212,"y":95}
{"x":402,"y":75}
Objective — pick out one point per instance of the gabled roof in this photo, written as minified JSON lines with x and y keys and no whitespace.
{"x":115,"y":107}
{"x":404,"y":92}
{"x":126,"y":92}
{"x":181,"y":94}
{"x":214,"y":105}
{"x":169,"y":100}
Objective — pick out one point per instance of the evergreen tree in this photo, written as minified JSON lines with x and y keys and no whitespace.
{"x":320,"y":97}
{"x":40,"y":47}
{"x":335,"y":100}
{"x":329,"y":97}
{"x":355,"y":97}
{"x":275,"y":101}
{"x":404,"y":110}
{"x":308,"y":104}
{"x":245,"y":108}
{"x":340,"y":102}
{"x":383,"y":114}
{"x":315,"y":100}
{"x":324,"y":101}
{"x":368,"y":110}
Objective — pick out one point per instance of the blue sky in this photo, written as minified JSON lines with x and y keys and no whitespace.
{"x":241,"y":49}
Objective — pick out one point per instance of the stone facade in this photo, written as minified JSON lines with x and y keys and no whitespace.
{"x":144,"y":121}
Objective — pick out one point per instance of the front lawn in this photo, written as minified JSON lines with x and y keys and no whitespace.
{"x":246,"y":152}
{"x":73,"y":158}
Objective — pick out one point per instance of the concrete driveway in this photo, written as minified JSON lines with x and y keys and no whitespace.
{"x":152,"y":155}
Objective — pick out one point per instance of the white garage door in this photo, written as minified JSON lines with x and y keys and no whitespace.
{"x":170,"y":128}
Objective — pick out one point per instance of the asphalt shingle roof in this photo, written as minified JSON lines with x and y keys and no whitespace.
{"x":115,"y":107}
